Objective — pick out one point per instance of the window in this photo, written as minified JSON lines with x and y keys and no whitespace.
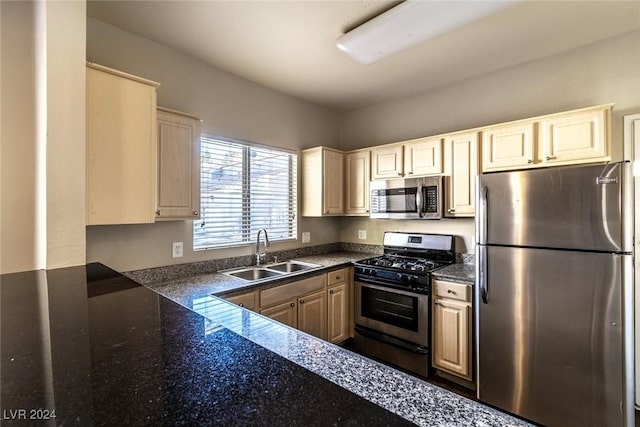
{"x":244,"y":188}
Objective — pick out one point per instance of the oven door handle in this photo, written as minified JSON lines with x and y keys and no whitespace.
{"x":380,"y":284}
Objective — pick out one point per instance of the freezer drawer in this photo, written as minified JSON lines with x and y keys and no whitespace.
{"x":550,"y":335}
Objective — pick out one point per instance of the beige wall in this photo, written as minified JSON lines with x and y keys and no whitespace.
{"x":229,"y":106}
{"x":605,"y":72}
{"x":42,"y":135}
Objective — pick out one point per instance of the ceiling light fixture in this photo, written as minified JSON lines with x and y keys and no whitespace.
{"x":410,"y":23}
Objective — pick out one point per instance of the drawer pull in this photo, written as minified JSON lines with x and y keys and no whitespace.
{"x":338,"y":277}
{"x":449,"y":291}
{"x":301,"y":301}
{"x":292,"y":305}
{"x":241,"y":305}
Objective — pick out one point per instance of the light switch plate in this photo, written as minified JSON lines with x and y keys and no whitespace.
{"x":306,"y":237}
{"x":362,"y":234}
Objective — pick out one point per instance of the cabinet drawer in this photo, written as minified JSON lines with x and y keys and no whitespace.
{"x":337,"y":276}
{"x":451,"y":290}
{"x":291,"y":290}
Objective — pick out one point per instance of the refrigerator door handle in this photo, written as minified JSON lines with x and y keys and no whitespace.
{"x":482,"y":273}
{"x":482,"y":215}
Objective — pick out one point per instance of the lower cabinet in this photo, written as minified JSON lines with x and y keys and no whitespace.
{"x":286,"y":313}
{"x":452,"y":328}
{"x":246,"y":300}
{"x":317,"y":305}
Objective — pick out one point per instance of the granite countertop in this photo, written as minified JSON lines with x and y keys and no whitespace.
{"x":186,"y":289}
{"x":91,"y":347}
{"x":465,"y":273}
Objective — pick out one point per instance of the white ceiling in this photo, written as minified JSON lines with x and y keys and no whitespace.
{"x":289,"y":46}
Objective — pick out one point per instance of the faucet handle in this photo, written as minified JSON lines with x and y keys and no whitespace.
{"x":275,"y":258}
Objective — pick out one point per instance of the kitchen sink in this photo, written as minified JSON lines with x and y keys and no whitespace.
{"x":253,"y":273}
{"x":291,"y":266}
{"x":268,"y":271}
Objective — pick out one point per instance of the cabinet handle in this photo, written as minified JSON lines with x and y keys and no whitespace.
{"x":338,"y":277}
{"x":158,"y":212}
{"x":410,"y":172}
{"x":399,"y":173}
{"x":241,"y":305}
{"x":529,"y":161}
{"x":449,"y":291}
{"x":196,"y":213}
{"x":331,"y":292}
{"x":436,"y":302}
{"x":451,"y":210}
{"x":301,"y":301}
{"x":292,"y":305}
{"x":550,"y":157}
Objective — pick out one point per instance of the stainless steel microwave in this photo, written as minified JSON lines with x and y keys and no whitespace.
{"x":412,"y":198}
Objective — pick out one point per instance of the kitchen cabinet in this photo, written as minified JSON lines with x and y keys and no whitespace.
{"x":414,"y":158}
{"x":452,"y":328}
{"x":461,"y":158}
{"x":423,"y":157}
{"x":387,"y":162}
{"x":322,"y":182}
{"x":509,"y":147}
{"x":573,"y":137}
{"x":300,"y":304}
{"x":178,"y":166}
{"x":312,"y":314}
{"x":285,"y":313}
{"x":338,"y":303}
{"x":246,"y":300}
{"x":576,"y":137}
{"x":121,"y":147}
{"x":357,"y":177}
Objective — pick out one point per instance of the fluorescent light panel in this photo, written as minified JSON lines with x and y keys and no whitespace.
{"x":410,"y":23}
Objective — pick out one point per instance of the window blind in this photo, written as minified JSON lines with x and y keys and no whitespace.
{"x":244,"y":188}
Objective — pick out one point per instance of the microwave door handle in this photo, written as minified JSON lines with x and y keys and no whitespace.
{"x":419,"y":206}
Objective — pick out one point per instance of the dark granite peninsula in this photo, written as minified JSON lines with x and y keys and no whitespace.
{"x":90,"y":347}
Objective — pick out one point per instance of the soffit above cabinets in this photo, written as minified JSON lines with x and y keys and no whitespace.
{"x":289,"y":46}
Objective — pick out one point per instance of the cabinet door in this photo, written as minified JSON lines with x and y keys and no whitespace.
{"x":575,"y":137}
{"x":508,"y":147}
{"x":452,"y":337}
{"x":463,"y":166}
{"x":337,"y":313}
{"x":358,"y":174}
{"x":312,"y":312}
{"x":423,"y":157}
{"x":178,"y":166}
{"x":286,"y":313}
{"x":121,"y":148}
{"x":247,"y":300}
{"x":333,"y":193}
{"x":386,"y":162}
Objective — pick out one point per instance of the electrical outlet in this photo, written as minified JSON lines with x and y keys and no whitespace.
{"x":177,"y":250}
{"x":306,"y":237}
{"x":362,"y":234}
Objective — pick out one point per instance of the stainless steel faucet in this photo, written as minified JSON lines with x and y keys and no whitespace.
{"x":260,"y":257}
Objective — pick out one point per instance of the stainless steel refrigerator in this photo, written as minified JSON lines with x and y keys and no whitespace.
{"x":554,"y":294}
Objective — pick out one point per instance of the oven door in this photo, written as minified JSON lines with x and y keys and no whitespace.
{"x":393,"y":312}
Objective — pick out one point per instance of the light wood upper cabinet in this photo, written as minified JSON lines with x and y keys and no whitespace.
{"x":178,"y":166}
{"x":423,"y":157}
{"x":387,"y":162}
{"x":577,"y":137}
{"x":322,"y":182}
{"x":508,"y":147}
{"x":462,"y":167}
{"x":357,"y":177}
{"x":452,"y":328}
{"x":573,"y":137}
{"x":121,"y":147}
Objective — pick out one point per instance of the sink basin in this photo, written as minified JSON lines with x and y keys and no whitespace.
{"x":269,"y":270}
{"x":254,"y":273}
{"x":291,"y":266}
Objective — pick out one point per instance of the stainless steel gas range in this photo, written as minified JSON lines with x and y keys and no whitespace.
{"x":392,"y":294}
